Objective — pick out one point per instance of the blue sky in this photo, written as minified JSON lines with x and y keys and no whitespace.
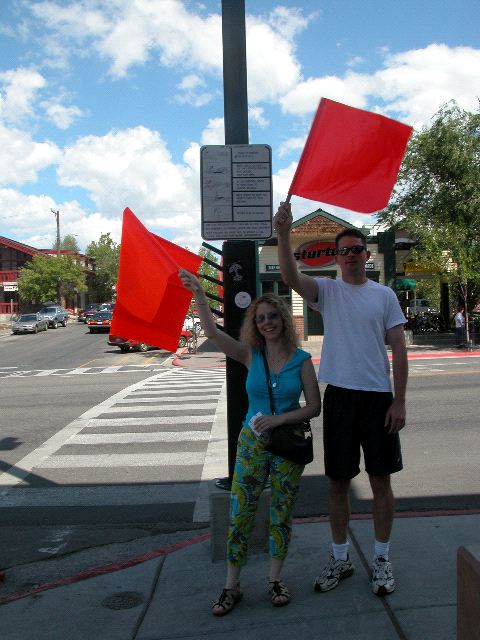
{"x":105,"y":103}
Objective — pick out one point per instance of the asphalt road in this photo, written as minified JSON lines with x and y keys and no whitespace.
{"x":49,"y":380}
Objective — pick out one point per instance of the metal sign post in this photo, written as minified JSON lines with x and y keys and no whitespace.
{"x":244,"y":253}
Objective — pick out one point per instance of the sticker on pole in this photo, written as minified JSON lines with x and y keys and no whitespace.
{"x":236,"y":191}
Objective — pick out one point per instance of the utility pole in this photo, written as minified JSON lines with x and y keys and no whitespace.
{"x":57,"y":217}
{"x":56,"y":213}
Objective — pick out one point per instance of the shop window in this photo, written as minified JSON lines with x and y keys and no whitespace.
{"x":277,"y":287}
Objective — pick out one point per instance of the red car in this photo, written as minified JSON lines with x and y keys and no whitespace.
{"x":126,"y":345}
{"x":100,"y":321}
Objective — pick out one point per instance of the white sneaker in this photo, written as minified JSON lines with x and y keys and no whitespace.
{"x":383,"y":582}
{"x":332,"y":573}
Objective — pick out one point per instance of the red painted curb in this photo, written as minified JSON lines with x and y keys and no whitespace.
{"x":150,"y":555}
{"x":103,"y":570}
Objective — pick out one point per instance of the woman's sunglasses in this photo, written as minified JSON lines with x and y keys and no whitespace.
{"x":356,"y":249}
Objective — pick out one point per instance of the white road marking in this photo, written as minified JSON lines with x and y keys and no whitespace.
{"x":186,"y":458}
{"x":125,"y":438}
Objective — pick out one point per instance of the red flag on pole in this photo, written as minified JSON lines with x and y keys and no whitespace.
{"x":351,"y":158}
{"x":151,"y":302}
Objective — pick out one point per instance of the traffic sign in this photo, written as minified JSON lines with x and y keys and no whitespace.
{"x":236,"y":191}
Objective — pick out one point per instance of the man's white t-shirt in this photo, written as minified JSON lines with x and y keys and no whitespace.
{"x":355,"y":319}
{"x":459,"y":320}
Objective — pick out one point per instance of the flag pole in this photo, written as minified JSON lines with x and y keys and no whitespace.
{"x":287,"y":201}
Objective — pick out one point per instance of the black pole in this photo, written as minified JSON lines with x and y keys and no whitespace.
{"x":239,"y":257}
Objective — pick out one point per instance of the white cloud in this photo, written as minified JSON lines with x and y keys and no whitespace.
{"x":416,"y":83}
{"x":29,"y":217}
{"x":20,"y":88}
{"x":214,"y":132}
{"x":22,"y":158}
{"x":129,"y":33}
{"x":191,"y":91}
{"x":61,"y":115}
{"x":412,"y":85}
{"x":256,"y":115}
{"x":134,"y":168}
{"x":292,"y":144}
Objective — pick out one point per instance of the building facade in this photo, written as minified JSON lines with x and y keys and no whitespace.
{"x":15,"y":255}
{"x":313,"y":243}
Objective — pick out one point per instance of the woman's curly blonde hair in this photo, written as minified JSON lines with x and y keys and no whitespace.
{"x":251,"y":335}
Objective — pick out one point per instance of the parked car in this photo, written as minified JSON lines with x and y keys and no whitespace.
{"x":419,"y":305}
{"x":30,"y":323}
{"x":100,"y":321}
{"x":90,"y":309}
{"x":126,"y":344}
{"x":56,"y":315}
{"x":193,"y":324}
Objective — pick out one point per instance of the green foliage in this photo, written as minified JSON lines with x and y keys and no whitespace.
{"x":437,"y":198}
{"x":208,"y":270}
{"x":106,"y":254}
{"x":48,"y":277}
{"x":70,"y":243}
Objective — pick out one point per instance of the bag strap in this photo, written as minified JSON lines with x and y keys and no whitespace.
{"x":267,"y":374}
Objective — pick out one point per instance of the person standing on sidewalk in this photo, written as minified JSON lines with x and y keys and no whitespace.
{"x":459,"y":320}
{"x":267,"y":327}
{"x":360,"y":412}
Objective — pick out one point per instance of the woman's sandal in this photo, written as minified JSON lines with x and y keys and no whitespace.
{"x":279,"y":594}
{"x":227,"y":600}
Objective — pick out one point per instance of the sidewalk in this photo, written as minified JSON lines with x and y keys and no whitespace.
{"x":167,"y":593}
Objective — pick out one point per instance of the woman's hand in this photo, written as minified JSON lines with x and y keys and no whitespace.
{"x":189,"y":281}
{"x":263,"y":423}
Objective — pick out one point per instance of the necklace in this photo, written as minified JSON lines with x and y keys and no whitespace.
{"x":277,"y":361}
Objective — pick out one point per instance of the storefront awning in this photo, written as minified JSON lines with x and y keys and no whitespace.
{"x":405,"y":284}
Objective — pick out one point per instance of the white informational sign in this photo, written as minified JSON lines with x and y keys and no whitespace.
{"x":236,"y":190}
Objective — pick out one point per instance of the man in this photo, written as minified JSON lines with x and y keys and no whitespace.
{"x":459,"y":320}
{"x":359,"y":316}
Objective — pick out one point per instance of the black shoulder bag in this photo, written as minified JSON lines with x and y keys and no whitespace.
{"x":293,"y":442}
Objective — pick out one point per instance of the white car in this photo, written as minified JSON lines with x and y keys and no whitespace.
{"x":193,"y":324}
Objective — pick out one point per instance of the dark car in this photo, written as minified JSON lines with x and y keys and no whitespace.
{"x":55,"y":314}
{"x":30,"y":323}
{"x":100,"y":321}
{"x":90,"y":309}
{"x":126,"y":345}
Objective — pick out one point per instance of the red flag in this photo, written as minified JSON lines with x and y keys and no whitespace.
{"x":151,"y":301}
{"x":351,"y":158}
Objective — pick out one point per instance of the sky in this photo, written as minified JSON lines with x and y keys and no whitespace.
{"x":105,"y":104}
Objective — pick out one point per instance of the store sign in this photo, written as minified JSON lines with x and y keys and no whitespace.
{"x":10,"y":287}
{"x":272,"y":267}
{"x":370,"y":266}
{"x":316,"y":254}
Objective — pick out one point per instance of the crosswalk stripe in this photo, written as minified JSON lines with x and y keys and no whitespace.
{"x":187,"y":458}
{"x":185,"y":407}
{"x":111,"y":422}
{"x":125,"y":438}
{"x":137,"y":400}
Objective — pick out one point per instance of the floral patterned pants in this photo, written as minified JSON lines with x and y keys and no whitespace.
{"x":252,"y":466}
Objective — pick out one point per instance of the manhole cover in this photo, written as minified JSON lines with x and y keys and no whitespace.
{"x":124,"y":600}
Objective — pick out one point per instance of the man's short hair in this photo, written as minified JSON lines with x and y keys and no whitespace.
{"x":354,"y":233}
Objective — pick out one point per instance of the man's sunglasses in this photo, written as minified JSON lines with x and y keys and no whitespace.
{"x":356,"y":249}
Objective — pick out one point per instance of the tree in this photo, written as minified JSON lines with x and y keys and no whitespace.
{"x":106,"y":254}
{"x":49,"y":277}
{"x":437,"y":198}
{"x":70,"y":243}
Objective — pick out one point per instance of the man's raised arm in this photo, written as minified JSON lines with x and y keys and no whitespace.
{"x":299,"y":282}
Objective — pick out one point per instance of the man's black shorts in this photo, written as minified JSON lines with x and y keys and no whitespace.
{"x":354,"y":419}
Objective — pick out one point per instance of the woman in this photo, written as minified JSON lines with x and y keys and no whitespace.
{"x":268,"y":326}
